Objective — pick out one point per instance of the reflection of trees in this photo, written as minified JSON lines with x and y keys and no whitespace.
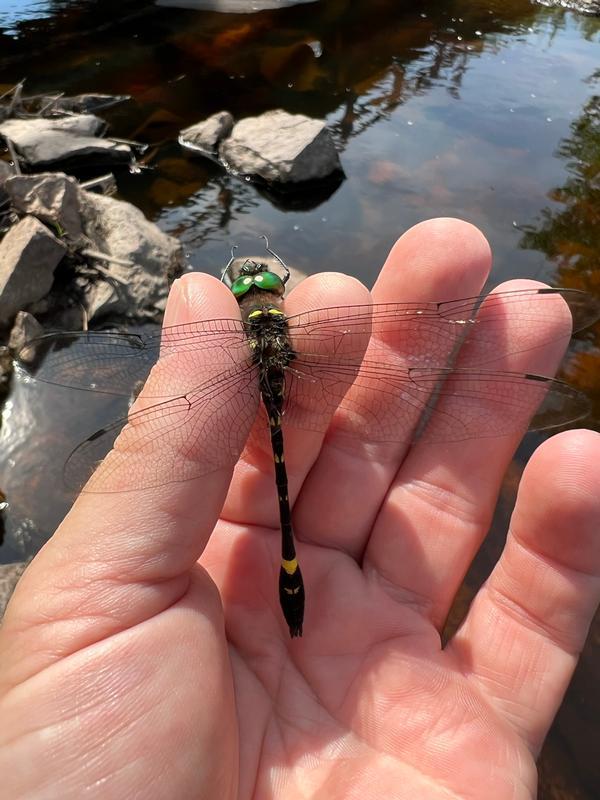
{"x":208,"y":212}
{"x":443,"y":60}
{"x":568,"y":233}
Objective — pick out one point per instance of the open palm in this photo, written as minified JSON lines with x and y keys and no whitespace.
{"x":130,"y":669}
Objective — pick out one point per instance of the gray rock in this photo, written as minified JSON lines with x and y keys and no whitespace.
{"x":281,"y":147}
{"x":29,"y":254}
{"x":44,"y":141}
{"x":19,"y":130}
{"x":206,"y":135}
{"x":25,"y":328}
{"x":142,"y":258}
{"x":51,"y":197}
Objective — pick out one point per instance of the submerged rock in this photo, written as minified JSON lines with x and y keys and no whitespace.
{"x":281,"y":147}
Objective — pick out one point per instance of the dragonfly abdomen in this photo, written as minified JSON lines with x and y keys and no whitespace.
{"x":272,"y":387}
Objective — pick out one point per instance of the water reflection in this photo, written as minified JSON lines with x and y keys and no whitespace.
{"x":568,"y":232}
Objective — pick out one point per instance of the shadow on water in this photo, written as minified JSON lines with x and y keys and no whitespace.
{"x":483,"y":110}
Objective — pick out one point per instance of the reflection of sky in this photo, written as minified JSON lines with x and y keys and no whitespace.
{"x":13,"y":11}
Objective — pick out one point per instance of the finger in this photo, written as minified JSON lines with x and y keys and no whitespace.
{"x":252,"y":498}
{"x":523,"y":634}
{"x":121,"y":557}
{"x":440,"y":505}
{"x":437,"y":260}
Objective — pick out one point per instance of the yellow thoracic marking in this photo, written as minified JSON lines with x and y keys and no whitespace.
{"x":256,"y":313}
{"x":289,"y":566}
{"x":276,"y":312}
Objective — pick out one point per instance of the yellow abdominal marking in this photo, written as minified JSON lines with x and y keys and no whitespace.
{"x":289,"y":566}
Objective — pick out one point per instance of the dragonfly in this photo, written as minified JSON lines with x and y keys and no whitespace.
{"x":215,"y":380}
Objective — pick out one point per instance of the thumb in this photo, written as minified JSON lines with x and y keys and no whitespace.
{"x":120,"y":557}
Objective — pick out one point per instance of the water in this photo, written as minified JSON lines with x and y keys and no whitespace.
{"x":13,"y":12}
{"x":484,"y":110}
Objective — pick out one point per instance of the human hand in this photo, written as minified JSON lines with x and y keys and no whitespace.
{"x":144,"y":653}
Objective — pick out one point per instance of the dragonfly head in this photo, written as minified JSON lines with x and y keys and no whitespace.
{"x":255,"y":275}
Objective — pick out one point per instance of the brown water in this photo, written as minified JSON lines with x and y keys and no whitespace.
{"x":485,"y":110}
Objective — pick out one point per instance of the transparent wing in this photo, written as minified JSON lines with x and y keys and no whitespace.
{"x":186,"y":429}
{"x":174,"y":440}
{"x":428,"y":404}
{"x":429,"y":332}
{"x":111,"y":362}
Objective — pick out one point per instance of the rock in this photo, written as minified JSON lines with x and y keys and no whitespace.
{"x":29,"y":254}
{"x":139,"y":285}
{"x":51,"y":197}
{"x":281,"y":147}
{"x":206,"y":135}
{"x":44,"y":141}
{"x":18,"y":130}
{"x":25,"y":328}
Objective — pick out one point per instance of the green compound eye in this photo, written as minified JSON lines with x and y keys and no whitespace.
{"x":241,"y":285}
{"x":267,"y":281}
{"x":270,"y":282}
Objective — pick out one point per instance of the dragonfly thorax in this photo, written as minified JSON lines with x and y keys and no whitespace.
{"x":268,"y":337}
